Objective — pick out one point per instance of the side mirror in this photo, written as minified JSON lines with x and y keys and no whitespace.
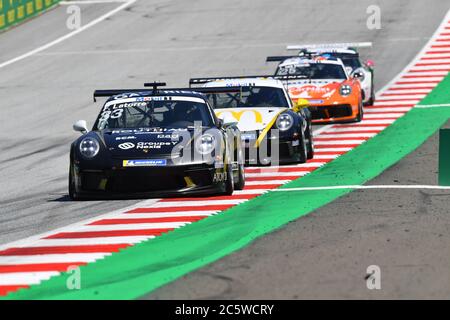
{"x":300,"y":104}
{"x":370,"y":63}
{"x":81,"y":126}
{"x":228,"y":120}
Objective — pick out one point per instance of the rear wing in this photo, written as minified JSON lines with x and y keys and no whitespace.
{"x":112,"y":92}
{"x":274,"y":77}
{"x":342,"y":45}
{"x":279,"y":58}
{"x":206,"y":80}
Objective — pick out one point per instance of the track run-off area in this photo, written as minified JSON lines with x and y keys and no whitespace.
{"x":166,"y":238}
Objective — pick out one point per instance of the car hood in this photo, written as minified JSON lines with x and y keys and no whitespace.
{"x":251,"y":119}
{"x":315,"y":89}
{"x":135,"y":143}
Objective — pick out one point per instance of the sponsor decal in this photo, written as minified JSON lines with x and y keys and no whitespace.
{"x":309,"y":88}
{"x":155,"y":144}
{"x":125,"y":138}
{"x":315,"y":101}
{"x":145,"y":163}
{"x":126,"y":145}
{"x":128,"y":105}
{"x":220,"y":177}
{"x":148,"y":130}
{"x":238,"y":114}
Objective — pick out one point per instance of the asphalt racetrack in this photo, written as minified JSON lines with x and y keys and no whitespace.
{"x":44,"y":94}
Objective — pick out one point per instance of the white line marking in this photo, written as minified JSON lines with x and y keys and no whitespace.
{"x":378,"y":110}
{"x":411,"y":96}
{"x":325,"y":156}
{"x":130,"y":226}
{"x":356,"y":129}
{"x":395,"y":103}
{"x":165,"y":204}
{"x":337,"y":143}
{"x":412,"y":91}
{"x":86,"y":241}
{"x":431,"y":73}
{"x":384,"y":115}
{"x":352,"y":135}
{"x":436,"y":61}
{"x":276,"y":174}
{"x":251,"y":191}
{"x":438,"y":48}
{"x":253,"y":183}
{"x":67,"y":36}
{"x":364,"y":187}
{"x":67,"y":3}
{"x":21,"y":278}
{"x":164,"y":214}
{"x":425,"y":106}
{"x":412,"y":85}
{"x":421,"y":79}
{"x":276,"y":168}
{"x":340,"y":149}
{"x":52,"y":258}
{"x":380,"y":122}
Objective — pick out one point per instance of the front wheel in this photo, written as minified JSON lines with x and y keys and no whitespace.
{"x":303,"y":149}
{"x":360,"y":113}
{"x":73,"y":195}
{"x":229,"y":184}
{"x":310,"y":146}
{"x":240,"y":183}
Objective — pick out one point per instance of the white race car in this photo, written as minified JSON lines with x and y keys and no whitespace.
{"x":259,"y":105}
{"x":350,"y":57}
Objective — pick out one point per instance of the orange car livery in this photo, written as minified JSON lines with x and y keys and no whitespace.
{"x":333,"y":95}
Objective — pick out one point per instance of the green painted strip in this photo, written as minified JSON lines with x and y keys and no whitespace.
{"x":13,"y":12}
{"x":149,"y":265}
{"x":138,"y":270}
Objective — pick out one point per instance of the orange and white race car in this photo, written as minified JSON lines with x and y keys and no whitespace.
{"x":334,"y":95}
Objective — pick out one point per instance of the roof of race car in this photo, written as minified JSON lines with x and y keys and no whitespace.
{"x":244,"y":82}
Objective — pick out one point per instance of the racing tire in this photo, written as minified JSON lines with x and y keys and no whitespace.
{"x":73,"y":195}
{"x":371,"y":101}
{"x":229,"y":184}
{"x":360,"y":115}
{"x":303,"y":149}
{"x":310,"y":146}
{"x":240,"y":183}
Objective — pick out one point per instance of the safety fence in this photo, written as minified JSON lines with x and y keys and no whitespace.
{"x":13,"y":12}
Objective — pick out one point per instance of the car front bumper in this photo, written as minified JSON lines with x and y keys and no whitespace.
{"x":149,"y":181}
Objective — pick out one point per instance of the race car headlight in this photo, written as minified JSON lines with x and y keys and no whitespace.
{"x":89,"y":147}
{"x":345,"y":90}
{"x":205,"y":144}
{"x":285,"y":122}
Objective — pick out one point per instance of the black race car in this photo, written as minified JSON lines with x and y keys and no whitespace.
{"x":155,"y":143}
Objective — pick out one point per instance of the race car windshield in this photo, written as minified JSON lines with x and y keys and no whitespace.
{"x":152,"y":114}
{"x":313,"y":71}
{"x":349,"y":60}
{"x":353,"y":63}
{"x":249,"y":97}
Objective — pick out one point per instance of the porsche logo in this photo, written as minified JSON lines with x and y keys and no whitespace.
{"x":238,"y":114}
